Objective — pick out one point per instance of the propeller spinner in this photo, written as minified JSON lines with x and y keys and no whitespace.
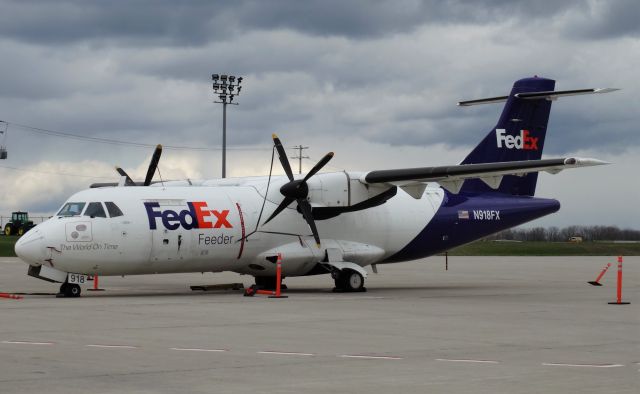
{"x":297,"y":189}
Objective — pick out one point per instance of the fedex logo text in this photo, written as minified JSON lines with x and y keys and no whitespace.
{"x":523,"y":141}
{"x":197,"y":216}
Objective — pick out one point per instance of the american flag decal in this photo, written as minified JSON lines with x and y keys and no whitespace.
{"x":463,"y":215}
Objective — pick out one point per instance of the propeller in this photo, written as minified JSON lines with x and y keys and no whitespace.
{"x":153,"y":166}
{"x":297,"y":189}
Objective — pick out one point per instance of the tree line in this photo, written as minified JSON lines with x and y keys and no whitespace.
{"x":556,"y":234}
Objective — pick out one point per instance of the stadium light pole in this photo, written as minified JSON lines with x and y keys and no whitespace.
{"x":226,"y":87}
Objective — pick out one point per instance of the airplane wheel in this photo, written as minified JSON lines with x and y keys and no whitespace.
{"x":266,"y":282}
{"x":349,"y":280}
{"x":70,"y":290}
{"x":63,"y":290}
{"x":339,"y":282}
{"x":73,"y":290}
{"x":355,"y":281}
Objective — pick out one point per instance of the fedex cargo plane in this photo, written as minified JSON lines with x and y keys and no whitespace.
{"x":320,"y":223}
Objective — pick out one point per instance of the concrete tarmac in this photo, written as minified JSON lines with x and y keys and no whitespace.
{"x":488,"y":325}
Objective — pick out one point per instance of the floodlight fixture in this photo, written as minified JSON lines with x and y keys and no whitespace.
{"x":224,"y":86}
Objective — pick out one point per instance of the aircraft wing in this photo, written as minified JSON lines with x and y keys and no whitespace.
{"x":452,"y":177}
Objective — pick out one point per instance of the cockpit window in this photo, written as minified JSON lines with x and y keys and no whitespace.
{"x":72,"y":209}
{"x":113,"y":209}
{"x":95,"y":210}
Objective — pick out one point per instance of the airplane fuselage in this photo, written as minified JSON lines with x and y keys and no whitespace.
{"x":210,"y":228}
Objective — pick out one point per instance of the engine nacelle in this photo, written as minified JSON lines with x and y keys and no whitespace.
{"x":340,"y":189}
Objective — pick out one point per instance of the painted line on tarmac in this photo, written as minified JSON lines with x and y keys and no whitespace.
{"x":457,"y":360}
{"x":364,"y":356}
{"x":113,"y":346}
{"x":28,"y":343}
{"x":183,"y":349}
{"x":583,"y":365}
{"x":285,"y":353}
{"x":329,"y":298}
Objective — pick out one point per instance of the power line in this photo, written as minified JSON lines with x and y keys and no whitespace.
{"x":56,"y":173}
{"x":103,"y":177}
{"x":311,"y":159}
{"x":109,"y":141}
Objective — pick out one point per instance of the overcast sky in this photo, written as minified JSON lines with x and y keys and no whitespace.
{"x":374,"y":81}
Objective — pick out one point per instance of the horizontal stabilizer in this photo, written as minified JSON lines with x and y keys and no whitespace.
{"x":562,"y":93}
{"x":550,"y":95}
{"x":490,"y":100}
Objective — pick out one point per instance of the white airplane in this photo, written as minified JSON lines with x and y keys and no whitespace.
{"x":322,"y":223}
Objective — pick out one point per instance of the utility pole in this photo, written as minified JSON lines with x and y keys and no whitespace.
{"x":300,"y":157}
{"x":3,"y":139}
{"x":226,"y":87}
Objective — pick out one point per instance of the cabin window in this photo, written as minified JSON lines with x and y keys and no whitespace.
{"x":72,"y":209}
{"x":95,"y":210}
{"x":113,"y":209}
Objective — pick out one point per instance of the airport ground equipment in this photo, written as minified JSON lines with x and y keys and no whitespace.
{"x":10,"y":296}
{"x":618,"y":300}
{"x":597,"y":281}
{"x":19,"y":224}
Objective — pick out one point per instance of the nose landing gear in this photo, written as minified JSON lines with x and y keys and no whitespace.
{"x":69,"y":290}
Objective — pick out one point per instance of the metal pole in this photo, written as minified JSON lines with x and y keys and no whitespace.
{"x":224,"y":139}
{"x":226,"y":87}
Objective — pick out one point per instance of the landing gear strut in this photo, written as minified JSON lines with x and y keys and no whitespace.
{"x":69,"y":290}
{"x":348,"y":280}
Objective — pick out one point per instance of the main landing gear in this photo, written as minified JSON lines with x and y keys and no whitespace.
{"x":268,"y":283}
{"x":348,"y":280}
{"x":69,"y":290}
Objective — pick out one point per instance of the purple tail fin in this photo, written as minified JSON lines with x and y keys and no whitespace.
{"x":519,"y":135}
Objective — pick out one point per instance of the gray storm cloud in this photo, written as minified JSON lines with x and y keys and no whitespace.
{"x":360,"y":78}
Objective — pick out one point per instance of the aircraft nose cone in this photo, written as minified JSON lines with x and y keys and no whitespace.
{"x":30,"y":247}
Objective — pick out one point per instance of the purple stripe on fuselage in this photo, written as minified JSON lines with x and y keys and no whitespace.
{"x":465,"y":218}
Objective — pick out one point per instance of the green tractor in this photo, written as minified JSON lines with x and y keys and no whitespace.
{"x":19,"y":224}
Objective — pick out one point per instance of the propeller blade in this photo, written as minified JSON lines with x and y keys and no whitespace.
{"x":319,"y":165}
{"x":153,"y":165}
{"x":282,"y":155}
{"x":305,"y":207}
{"x":285,"y":203}
{"x":128,"y":181}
